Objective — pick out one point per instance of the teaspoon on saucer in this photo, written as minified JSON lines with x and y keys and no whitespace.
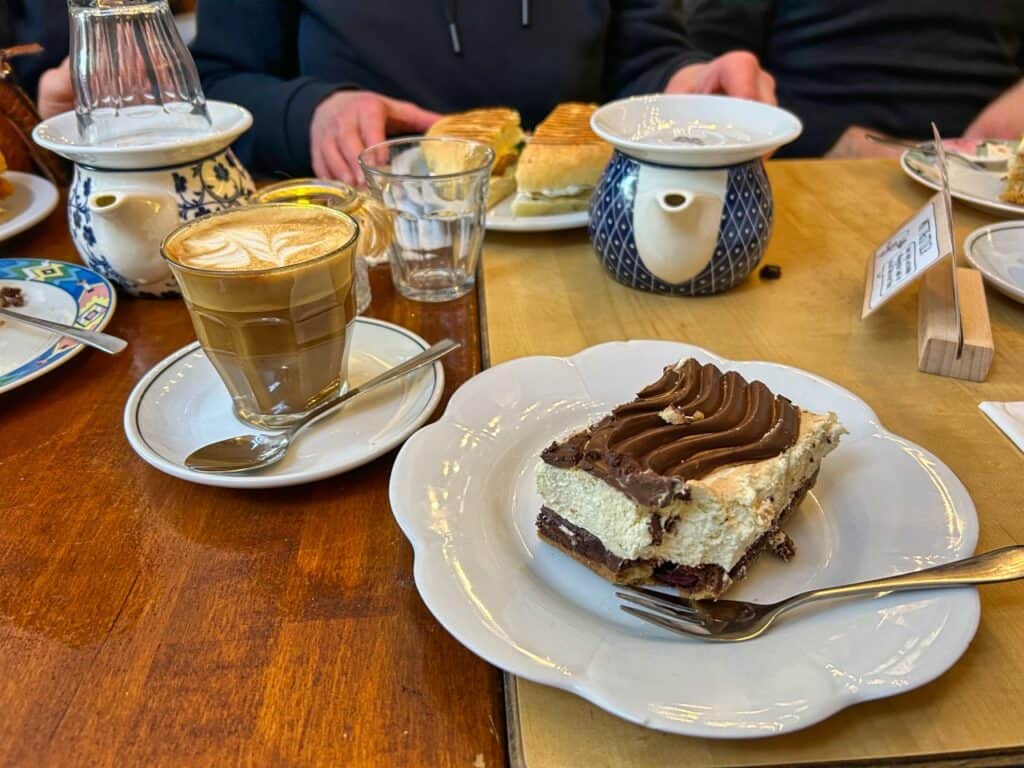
{"x":247,"y":452}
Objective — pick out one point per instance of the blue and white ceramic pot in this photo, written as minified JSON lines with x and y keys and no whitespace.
{"x":685,"y":206}
{"x":124,"y":199}
{"x":681,"y":231}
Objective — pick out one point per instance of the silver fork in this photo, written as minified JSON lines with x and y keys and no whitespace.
{"x":731,"y":621}
{"x":926,"y":148}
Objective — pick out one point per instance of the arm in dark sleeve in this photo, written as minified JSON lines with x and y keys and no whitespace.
{"x":245,"y":51}
{"x":718,"y":26}
{"x":646,"y":46}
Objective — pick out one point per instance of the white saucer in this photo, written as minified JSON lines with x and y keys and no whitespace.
{"x":501,"y":219}
{"x":997,"y":251}
{"x":980,"y":189}
{"x":60,"y":134}
{"x":181,"y":405}
{"x":33,"y":200}
{"x":694,"y":130}
{"x":463,"y":491}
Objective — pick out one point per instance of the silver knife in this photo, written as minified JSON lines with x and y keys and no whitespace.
{"x":104,"y":341}
{"x":947,"y":199}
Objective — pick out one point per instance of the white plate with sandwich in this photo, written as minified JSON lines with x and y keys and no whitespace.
{"x":502,"y":219}
{"x":541,"y":183}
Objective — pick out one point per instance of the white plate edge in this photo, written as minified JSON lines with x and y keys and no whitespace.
{"x":995,"y":280}
{"x":976,"y":202}
{"x":556,"y":223}
{"x":49,"y":197}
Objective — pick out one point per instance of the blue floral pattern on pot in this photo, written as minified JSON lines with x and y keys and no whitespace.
{"x":738,"y":196}
{"x":184,"y":192}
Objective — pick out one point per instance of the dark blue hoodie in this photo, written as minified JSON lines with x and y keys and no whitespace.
{"x":281,"y":58}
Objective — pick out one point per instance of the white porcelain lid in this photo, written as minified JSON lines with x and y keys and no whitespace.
{"x":692,"y":130}
{"x":60,"y":134}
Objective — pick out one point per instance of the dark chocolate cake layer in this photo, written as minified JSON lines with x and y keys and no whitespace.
{"x":691,"y":421}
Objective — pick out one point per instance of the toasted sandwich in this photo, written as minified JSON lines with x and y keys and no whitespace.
{"x":561,"y":164}
{"x":496,"y":126}
{"x":1014,"y":192}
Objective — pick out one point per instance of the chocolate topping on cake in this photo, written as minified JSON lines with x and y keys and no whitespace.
{"x":691,"y":421}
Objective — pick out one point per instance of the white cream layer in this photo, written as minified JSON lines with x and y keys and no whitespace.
{"x":544,"y":194}
{"x":728,"y":510}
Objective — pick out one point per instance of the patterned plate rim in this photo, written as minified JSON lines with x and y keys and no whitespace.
{"x":89,"y":291}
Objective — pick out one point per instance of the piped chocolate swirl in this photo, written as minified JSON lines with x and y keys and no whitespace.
{"x":691,"y":421}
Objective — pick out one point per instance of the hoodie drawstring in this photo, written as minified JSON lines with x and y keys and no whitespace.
{"x":451,"y":11}
{"x":451,"y":15}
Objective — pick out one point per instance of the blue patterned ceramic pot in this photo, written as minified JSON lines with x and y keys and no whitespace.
{"x":685,"y":207}
{"x":124,"y":199}
{"x":680,"y":231}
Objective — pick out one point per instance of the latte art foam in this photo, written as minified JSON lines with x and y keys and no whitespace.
{"x":257,"y":239}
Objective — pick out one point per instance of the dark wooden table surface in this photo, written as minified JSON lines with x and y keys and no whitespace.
{"x":145,"y":620}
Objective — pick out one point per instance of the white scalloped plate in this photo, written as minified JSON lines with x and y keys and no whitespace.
{"x":463,"y":492}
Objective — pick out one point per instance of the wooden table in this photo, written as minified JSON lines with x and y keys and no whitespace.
{"x":148,"y":621}
{"x":547,"y":294}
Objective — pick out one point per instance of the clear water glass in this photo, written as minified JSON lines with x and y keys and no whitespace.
{"x":437,"y":211}
{"x":135,"y":82}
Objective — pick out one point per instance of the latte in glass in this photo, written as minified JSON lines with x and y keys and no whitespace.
{"x":270,"y":292}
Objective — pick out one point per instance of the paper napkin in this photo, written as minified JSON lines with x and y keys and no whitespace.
{"x":1009,"y":417}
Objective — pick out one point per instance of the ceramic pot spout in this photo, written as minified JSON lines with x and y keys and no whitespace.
{"x":680,"y":231}
{"x":676,"y":232}
{"x":131,"y":223}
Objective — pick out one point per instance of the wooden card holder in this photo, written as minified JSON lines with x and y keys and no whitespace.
{"x":936,"y":325}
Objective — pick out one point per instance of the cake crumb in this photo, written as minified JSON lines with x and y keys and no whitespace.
{"x":478,"y":761}
{"x":11,"y":297}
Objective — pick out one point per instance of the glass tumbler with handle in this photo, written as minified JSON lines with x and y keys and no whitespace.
{"x":135,"y":82}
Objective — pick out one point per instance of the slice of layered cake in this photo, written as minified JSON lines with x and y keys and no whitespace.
{"x":686,"y":484}
{"x":1014,"y":192}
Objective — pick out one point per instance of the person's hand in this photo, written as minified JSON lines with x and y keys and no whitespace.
{"x":55,"y":92}
{"x":854,"y":143}
{"x":1002,"y":119}
{"x":347,"y":122}
{"x":736,"y":73}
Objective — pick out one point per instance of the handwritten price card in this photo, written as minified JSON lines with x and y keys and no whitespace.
{"x":919,"y":244}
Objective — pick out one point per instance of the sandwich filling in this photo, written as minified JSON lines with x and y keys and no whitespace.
{"x":575,"y":190}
